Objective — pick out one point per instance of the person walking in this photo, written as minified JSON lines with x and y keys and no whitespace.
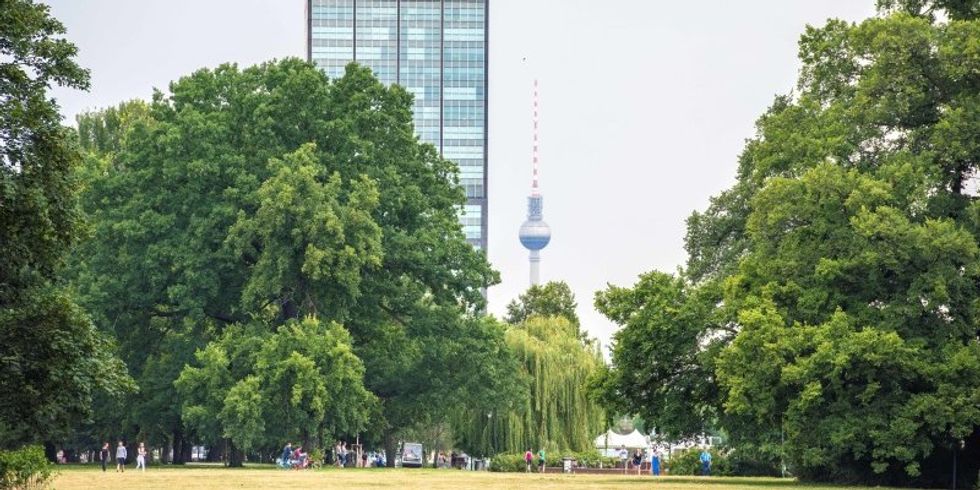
{"x":104,"y":454}
{"x":705,"y":462}
{"x":637,"y":461}
{"x":624,"y":458}
{"x":655,"y":463}
{"x":287,"y":451}
{"x":541,"y":459}
{"x":528,"y":457}
{"x":141,"y":458}
{"x":121,"y":458}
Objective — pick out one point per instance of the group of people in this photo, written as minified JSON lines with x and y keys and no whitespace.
{"x":121,"y":455}
{"x":294,"y":458}
{"x":638,"y":457}
{"x":529,"y":458}
{"x":345,"y":457}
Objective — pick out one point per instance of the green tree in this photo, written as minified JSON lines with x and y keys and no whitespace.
{"x":663,"y":356}
{"x":840,"y":272}
{"x":52,"y":360}
{"x":255,"y":387}
{"x":553,"y":298}
{"x":556,"y":411}
{"x":354,"y":220}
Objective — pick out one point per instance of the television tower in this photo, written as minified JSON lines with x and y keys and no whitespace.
{"x":535,"y":233}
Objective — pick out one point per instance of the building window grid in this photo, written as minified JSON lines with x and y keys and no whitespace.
{"x":463,"y":71}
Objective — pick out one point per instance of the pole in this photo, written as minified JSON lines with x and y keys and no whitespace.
{"x":955,"y":450}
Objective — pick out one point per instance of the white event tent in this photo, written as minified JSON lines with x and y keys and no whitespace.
{"x":610,"y":442}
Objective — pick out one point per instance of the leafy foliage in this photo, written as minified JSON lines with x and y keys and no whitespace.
{"x":251,"y":199}
{"x":557,"y":412}
{"x":25,"y":468}
{"x":688,"y":462}
{"x":256,"y":387}
{"x":838,"y":278}
{"x":52,"y":361}
{"x":514,"y":462}
{"x":553,"y":298}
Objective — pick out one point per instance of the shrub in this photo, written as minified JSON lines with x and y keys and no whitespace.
{"x":684,"y":462}
{"x":688,"y":462}
{"x":514,"y":462}
{"x":748,"y":460}
{"x":507,"y":462}
{"x":25,"y":468}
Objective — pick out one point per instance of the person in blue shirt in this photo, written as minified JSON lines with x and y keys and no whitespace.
{"x":705,"y":463}
{"x":655,"y":463}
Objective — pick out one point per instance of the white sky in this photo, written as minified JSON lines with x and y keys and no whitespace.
{"x":645,"y":106}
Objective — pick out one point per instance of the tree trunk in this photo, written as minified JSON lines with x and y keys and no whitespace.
{"x":235,"y":455}
{"x":50,"y":451}
{"x":307,"y":441}
{"x":289,"y":310}
{"x":216,"y":452}
{"x":389,"y":448}
{"x":182,"y":447}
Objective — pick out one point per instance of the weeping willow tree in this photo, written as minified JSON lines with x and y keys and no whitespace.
{"x":556,"y":412}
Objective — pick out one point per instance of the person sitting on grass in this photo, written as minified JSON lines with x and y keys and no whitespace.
{"x":299,"y":458}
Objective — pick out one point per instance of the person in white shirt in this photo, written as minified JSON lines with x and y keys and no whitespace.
{"x":141,"y":458}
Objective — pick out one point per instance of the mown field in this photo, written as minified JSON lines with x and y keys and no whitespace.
{"x":205,"y":477}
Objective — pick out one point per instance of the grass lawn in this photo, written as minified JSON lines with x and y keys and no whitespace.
{"x":200,"y":476}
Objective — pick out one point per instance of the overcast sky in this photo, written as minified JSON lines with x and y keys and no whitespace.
{"x":645,"y":106}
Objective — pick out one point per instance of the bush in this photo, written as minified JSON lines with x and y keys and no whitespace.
{"x":507,"y":462}
{"x":685,"y":462}
{"x":748,"y":460}
{"x":25,"y":468}
{"x":688,"y":462}
{"x":514,"y":462}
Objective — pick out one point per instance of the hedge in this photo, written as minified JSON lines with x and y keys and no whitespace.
{"x":514,"y":462}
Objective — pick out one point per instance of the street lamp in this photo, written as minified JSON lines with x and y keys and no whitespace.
{"x":490,"y":432}
{"x":956,"y":450}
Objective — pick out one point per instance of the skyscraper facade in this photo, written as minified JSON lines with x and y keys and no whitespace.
{"x":436,"y":49}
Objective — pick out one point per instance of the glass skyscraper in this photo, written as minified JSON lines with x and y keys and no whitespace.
{"x":436,"y":49}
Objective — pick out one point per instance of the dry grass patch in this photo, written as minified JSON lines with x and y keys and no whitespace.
{"x":265,"y":477}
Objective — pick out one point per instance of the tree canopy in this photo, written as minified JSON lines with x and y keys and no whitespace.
{"x":248,"y":206}
{"x":828,"y":309}
{"x":52,"y":360}
{"x":553,"y":298}
{"x":553,"y":408}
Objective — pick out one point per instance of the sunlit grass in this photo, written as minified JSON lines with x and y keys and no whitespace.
{"x":261,"y":476}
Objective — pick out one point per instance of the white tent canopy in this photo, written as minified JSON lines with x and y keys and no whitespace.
{"x":612,"y":440}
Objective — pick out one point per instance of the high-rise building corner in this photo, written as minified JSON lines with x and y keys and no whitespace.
{"x":436,"y":49}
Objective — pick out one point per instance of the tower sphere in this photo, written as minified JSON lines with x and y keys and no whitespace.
{"x":535,"y":234}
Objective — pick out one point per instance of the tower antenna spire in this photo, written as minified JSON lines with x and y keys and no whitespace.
{"x":535,"y":233}
{"x":534,"y":148}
